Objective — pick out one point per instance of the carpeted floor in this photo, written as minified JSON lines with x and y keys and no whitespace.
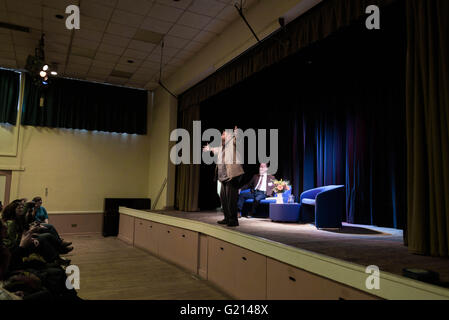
{"x":364,"y":245}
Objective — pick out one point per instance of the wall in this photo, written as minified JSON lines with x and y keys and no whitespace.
{"x":163,"y":120}
{"x":79,"y":168}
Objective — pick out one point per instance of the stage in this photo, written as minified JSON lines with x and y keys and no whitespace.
{"x":359,"y":244}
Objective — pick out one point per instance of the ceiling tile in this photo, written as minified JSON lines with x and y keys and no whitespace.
{"x":194,"y":46}
{"x":151,"y":85}
{"x":156,"y":25}
{"x":148,"y":36}
{"x":132,"y":84}
{"x":55,"y":57}
{"x":92,"y":23}
{"x":96,"y":77}
{"x":75,"y":68}
{"x":116,"y":40}
{"x":150,"y":64}
{"x":155,"y":57}
{"x":20,"y":7}
{"x":129,"y":67}
{"x":207,"y":7}
{"x":78,"y":60}
{"x":107,"y":48}
{"x":175,"y":42}
{"x":107,"y":57}
{"x":121,"y":30}
{"x":134,"y":54}
{"x":58,"y":4}
{"x":7,"y":55}
{"x":109,"y":3}
{"x":20,"y":50}
{"x":178,"y":4}
{"x":117,"y":80}
{"x":183,"y":32}
{"x":89,"y":34}
{"x":8,"y":63}
{"x":124,"y":60}
{"x":24,"y":42}
{"x":229,"y":13}
{"x":56,"y":47}
{"x":83,"y":52}
{"x":146,"y":70}
{"x":165,"y":13}
{"x":204,"y":37}
{"x":100,"y":71}
{"x":84,"y":43}
{"x":96,"y":10}
{"x":51,"y":26}
{"x":127,"y":18}
{"x":6,"y":41}
{"x":142,"y":76}
{"x":57,"y":38}
{"x":25,"y":21}
{"x":176,"y":62}
{"x":103,"y":64}
{"x":50,"y":14}
{"x":216,"y":26}
{"x":194,"y":20}
{"x":142,"y":46}
{"x":184,"y":55}
{"x":169,"y":52}
{"x":140,"y":7}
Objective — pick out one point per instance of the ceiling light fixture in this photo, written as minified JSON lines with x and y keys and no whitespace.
{"x":36,"y":65}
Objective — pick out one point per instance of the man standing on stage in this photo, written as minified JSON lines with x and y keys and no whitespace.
{"x":229,"y":172}
{"x":261,"y":186}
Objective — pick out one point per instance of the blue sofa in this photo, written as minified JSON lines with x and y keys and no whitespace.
{"x":264,"y":206}
{"x":328,"y":203}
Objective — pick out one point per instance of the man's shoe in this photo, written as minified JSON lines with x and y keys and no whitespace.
{"x":233,"y":224}
{"x":62,"y":262}
{"x":66,"y":250}
{"x":65,"y":243}
{"x":224,"y":221}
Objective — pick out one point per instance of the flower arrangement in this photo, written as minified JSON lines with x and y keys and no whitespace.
{"x":280,"y":186}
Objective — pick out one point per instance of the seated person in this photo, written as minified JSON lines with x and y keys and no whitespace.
{"x":261,"y":186}
{"x":44,"y":244}
{"x":40,"y":212}
{"x":31,"y":209}
{"x":30,"y":282}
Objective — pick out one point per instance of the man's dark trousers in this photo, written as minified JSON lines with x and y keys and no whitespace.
{"x":229,"y":196}
{"x":257,"y":196}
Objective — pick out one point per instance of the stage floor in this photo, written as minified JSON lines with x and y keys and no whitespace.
{"x":363,"y":245}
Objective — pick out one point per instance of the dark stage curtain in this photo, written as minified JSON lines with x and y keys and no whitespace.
{"x":340,"y":110}
{"x":9,"y":96}
{"x":78,"y":104}
{"x":318,"y":23}
{"x":428,"y":126}
{"x":187,"y":175}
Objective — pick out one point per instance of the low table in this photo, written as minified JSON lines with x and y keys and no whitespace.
{"x":285,"y":212}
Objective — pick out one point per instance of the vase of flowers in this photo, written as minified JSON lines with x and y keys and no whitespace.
{"x":280,"y":186}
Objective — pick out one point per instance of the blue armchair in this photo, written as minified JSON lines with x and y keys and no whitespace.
{"x":329,"y":205}
{"x":264,"y":207}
